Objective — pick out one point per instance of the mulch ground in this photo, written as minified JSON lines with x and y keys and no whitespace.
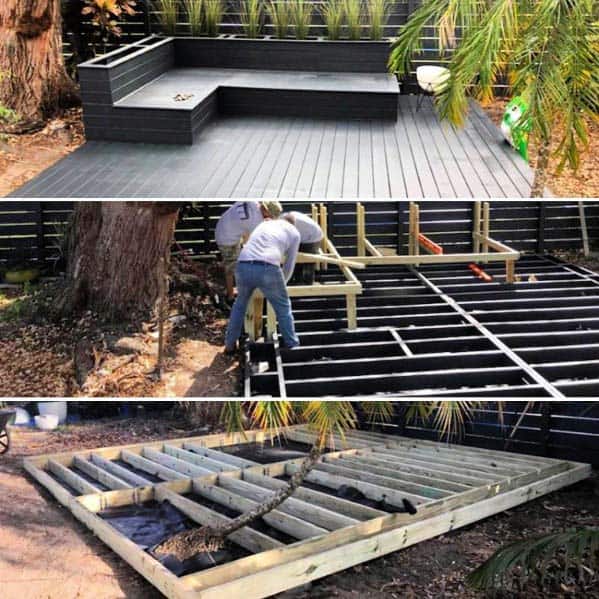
{"x":42,"y":356}
{"x":39,"y":534}
{"x":582,"y":183}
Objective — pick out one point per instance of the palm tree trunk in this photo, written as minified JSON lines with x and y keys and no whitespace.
{"x":540,"y":180}
{"x":187,"y":544}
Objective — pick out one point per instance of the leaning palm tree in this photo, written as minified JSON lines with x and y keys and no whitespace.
{"x":547,"y":51}
{"x":327,"y":420}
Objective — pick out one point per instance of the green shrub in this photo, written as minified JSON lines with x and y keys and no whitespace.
{"x":378,"y":15}
{"x":167,"y":15}
{"x":301,"y":17}
{"x":213,"y":16}
{"x":251,"y":17}
{"x":333,"y":13}
{"x":279,"y":13}
{"x":193,"y":8}
{"x":353,"y":14}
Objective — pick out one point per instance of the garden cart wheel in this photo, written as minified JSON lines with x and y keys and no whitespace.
{"x":4,"y":441}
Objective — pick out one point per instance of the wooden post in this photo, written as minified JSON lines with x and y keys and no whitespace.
{"x":486,"y":228}
{"x":324,"y":225}
{"x":510,"y":272}
{"x":476,"y":227}
{"x":411,"y":230}
{"x":584,"y":228}
{"x":316,"y":218}
{"x":253,"y":317}
{"x":271,"y":321}
{"x":361,"y":228}
{"x":415,"y":227}
{"x":352,"y":312}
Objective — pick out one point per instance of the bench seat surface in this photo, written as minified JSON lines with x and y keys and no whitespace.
{"x":199,"y":83}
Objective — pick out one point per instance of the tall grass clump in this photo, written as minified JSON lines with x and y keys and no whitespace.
{"x":378,"y":15}
{"x":353,"y":17}
{"x":193,"y":8}
{"x":301,"y":17}
{"x":279,"y":13}
{"x":213,"y":16}
{"x":333,"y":13}
{"x":251,"y":17}
{"x":167,"y":15}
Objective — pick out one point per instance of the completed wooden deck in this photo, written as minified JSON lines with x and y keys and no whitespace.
{"x":243,"y":157}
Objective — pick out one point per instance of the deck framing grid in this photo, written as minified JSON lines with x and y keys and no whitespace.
{"x":454,"y":486}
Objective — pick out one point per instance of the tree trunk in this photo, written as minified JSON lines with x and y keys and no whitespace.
{"x":206,"y":539}
{"x":540,"y":181}
{"x":118,"y":256}
{"x":33,"y":79}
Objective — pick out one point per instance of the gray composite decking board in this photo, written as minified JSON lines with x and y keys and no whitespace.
{"x":300,"y":157}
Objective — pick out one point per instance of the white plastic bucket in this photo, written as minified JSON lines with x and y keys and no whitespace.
{"x":46,"y":423}
{"x":53,"y":408}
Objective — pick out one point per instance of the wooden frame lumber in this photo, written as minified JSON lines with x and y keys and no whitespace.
{"x":452,"y":486}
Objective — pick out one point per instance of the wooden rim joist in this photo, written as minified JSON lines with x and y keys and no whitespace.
{"x":319,"y":531}
{"x":485,"y":248}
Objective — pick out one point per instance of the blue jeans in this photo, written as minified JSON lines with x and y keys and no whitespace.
{"x":268,"y":279}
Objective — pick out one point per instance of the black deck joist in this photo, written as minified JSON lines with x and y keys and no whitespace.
{"x":440,"y":331}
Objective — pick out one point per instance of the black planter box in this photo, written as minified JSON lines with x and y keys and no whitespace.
{"x":137,"y":93}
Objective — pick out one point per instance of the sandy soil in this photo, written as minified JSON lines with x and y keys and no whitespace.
{"x":45,"y":553}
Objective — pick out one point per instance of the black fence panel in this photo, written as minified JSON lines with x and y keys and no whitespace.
{"x":31,"y":230}
{"x":565,"y":430}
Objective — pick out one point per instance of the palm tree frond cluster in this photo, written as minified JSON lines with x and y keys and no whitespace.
{"x":550,"y":555}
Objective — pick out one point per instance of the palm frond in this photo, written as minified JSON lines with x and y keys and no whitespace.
{"x":273,"y":416}
{"x":535,"y":556}
{"x":449,"y":417}
{"x":378,"y":412}
{"x":327,"y":418}
{"x":231,"y":416}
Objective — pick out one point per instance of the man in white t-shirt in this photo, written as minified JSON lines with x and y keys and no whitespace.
{"x":266,"y":263}
{"x":311,"y":239}
{"x":235,"y":225}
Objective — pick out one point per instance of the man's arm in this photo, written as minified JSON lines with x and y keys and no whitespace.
{"x":289,"y":265}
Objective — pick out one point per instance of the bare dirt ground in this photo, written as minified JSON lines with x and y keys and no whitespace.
{"x":22,"y":157}
{"x":45,"y":553}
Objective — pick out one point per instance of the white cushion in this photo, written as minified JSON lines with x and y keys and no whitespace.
{"x":432,"y":78}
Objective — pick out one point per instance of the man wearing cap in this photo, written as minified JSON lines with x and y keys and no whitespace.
{"x":235,"y":225}
{"x":266,"y":263}
{"x":311,"y":236}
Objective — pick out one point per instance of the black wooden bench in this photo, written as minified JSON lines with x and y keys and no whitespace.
{"x":166,"y":90}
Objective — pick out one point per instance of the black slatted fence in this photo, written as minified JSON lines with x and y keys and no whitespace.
{"x":147,"y":20}
{"x":565,"y":430}
{"x":31,"y":230}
